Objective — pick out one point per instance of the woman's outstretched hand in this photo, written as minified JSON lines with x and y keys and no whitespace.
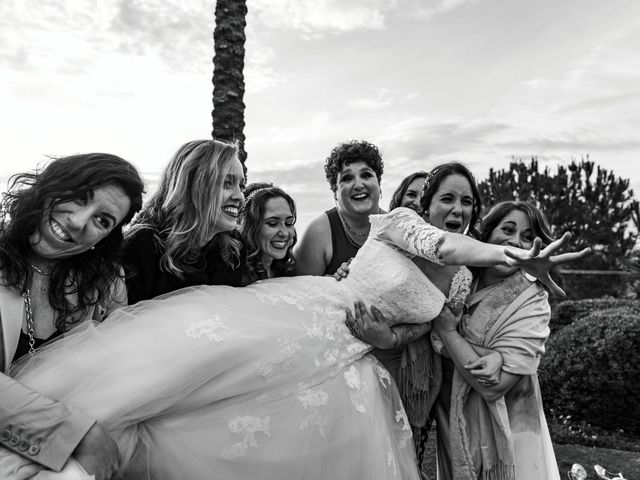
{"x":539,"y":261}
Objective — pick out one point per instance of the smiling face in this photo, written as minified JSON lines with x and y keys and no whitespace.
{"x":232,"y":199}
{"x":452,"y":204}
{"x":411,"y":197}
{"x":277,"y":231}
{"x":358,"y":189}
{"x":513,"y":230}
{"x":73,"y":227}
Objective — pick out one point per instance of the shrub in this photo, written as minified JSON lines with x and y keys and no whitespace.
{"x":591,"y":368}
{"x":565,"y":313}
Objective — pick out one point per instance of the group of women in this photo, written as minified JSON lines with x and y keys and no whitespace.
{"x":199,"y":379}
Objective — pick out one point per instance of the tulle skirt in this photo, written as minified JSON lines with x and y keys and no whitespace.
{"x":223,"y":383}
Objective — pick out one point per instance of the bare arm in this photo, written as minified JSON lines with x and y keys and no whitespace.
{"x":314,"y":251}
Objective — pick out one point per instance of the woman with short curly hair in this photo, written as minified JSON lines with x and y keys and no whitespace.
{"x":354,"y":170}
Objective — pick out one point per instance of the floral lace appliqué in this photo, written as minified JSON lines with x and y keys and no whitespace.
{"x":383,"y":375}
{"x":459,"y":289}
{"x":209,"y":328}
{"x":357,"y":389}
{"x":312,"y":400}
{"x":421,"y":238}
{"x":246,"y":426}
{"x":286,"y":360}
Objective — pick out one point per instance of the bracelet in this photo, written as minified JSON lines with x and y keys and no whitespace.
{"x":396,"y":340}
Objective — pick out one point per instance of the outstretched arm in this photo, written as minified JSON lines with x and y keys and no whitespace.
{"x":407,"y":230}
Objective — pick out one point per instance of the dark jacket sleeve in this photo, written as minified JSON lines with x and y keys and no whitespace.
{"x":140,"y":260}
{"x":38,"y":428}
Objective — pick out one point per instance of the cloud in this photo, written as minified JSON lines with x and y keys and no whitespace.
{"x":259,"y":75}
{"x":315,"y":18}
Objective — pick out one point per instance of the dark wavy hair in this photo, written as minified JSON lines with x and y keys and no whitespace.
{"x":251,"y":220}
{"x":396,"y":199}
{"x":537,"y":220}
{"x":437,"y":175}
{"x":183,"y":211}
{"x":539,"y":226}
{"x":351,"y":152}
{"x":31,"y":196}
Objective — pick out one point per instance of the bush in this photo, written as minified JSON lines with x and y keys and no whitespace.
{"x":565,"y":313}
{"x":591,"y":368}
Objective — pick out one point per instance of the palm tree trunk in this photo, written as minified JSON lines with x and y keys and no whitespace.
{"x":228,"y":76}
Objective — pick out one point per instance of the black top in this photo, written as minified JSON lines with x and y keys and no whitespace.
{"x":343,"y":248}
{"x":23,"y":343}
{"x":141,"y":261}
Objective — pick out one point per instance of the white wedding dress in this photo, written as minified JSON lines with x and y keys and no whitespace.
{"x":265,"y":381}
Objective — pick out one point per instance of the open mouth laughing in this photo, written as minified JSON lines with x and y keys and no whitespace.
{"x":58,"y":232}
{"x":231,"y":210}
{"x":453,"y":225}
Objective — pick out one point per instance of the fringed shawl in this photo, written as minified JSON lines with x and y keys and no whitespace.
{"x":510,"y":317}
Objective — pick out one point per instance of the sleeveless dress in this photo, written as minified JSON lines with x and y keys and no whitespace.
{"x":215,"y":382}
{"x":343,"y":249}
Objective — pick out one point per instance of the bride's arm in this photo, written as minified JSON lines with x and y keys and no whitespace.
{"x":408,"y":231}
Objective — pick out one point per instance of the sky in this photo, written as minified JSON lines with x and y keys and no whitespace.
{"x":427,"y":81}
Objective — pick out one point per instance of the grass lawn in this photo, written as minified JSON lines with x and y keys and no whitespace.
{"x":613,"y":460}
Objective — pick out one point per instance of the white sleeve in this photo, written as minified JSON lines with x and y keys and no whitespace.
{"x":405,"y":229}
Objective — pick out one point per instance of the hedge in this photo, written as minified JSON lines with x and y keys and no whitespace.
{"x":591,"y":368}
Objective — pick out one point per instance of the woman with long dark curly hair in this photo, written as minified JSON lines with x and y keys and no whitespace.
{"x":267,"y":223}
{"x":60,"y":235}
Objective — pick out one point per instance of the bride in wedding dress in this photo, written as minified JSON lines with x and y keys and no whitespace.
{"x":263,"y":381}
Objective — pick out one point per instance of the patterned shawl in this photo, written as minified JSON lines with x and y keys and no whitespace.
{"x":510,"y":317}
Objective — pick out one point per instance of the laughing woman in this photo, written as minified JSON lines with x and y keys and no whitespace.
{"x":186,"y":233}
{"x":353,"y":170}
{"x":60,"y":231}
{"x":267,"y":223}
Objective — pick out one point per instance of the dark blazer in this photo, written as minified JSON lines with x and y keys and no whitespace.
{"x":145,"y":280}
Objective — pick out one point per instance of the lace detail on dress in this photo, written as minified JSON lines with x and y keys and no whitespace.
{"x":356,"y":394}
{"x":246,"y":426}
{"x":458,"y":293}
{"x":418,"y":237}
{"x":459,"y":289}
{"x":286,"y":360}
{"x":209,"y":328}
{"x":312,"y":400}
{"x":383,"y":375}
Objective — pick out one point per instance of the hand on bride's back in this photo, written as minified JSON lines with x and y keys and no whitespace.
{"x":98,"y":454}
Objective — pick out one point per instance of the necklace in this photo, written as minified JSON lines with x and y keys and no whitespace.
{"x":39,"y":270}
{"x":348,"y":227}
{"x":30,"y":323}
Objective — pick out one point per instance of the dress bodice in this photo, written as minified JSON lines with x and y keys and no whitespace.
{"x":383,"y":273}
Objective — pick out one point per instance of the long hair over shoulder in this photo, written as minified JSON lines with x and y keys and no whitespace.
{"x":183,"y":211}
{"x":251,"y":220}
{"x":31,"y":196}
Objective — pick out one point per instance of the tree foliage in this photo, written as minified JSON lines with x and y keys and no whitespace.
{"x":228,"y":76}
{"x":589,"y":201}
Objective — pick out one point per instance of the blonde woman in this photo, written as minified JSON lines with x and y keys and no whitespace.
{"x":186,"y":233}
